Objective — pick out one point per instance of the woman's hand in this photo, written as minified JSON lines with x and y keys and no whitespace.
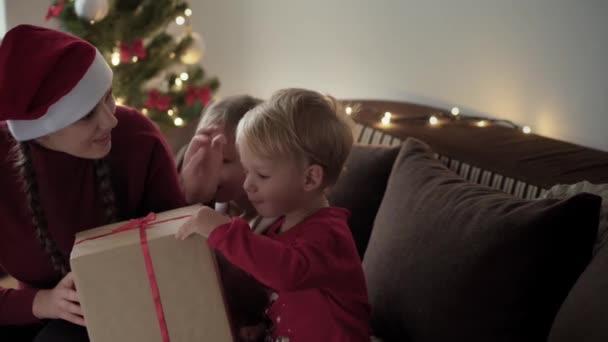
{"x":202,"y":165}
{"x":59,"y":303}
{"x":202,"y":223}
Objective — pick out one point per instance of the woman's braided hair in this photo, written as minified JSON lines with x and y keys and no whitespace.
{"x":27,"y":172}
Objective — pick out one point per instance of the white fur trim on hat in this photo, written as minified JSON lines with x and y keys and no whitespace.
{"x":75,"y":105}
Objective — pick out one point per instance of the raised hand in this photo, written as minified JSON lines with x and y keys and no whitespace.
{"x":202,"y":165}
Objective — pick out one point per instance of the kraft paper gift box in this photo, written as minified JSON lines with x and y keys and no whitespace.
{"x":114,"y":282}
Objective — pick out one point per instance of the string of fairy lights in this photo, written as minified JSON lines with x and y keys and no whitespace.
{"x":441,"y":118}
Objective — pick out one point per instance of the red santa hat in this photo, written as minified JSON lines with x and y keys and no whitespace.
{"x":48,"y":80}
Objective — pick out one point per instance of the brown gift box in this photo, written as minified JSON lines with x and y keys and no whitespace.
{"x":115,"y":292}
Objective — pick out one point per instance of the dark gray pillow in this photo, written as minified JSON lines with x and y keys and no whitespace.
{"x":583,"y":315}
{"x":361,"y":187}
{"x":453,"y":261}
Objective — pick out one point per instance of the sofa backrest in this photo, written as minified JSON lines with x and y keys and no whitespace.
{"x":504,"y":156}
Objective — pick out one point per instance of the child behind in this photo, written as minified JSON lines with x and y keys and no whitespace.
{"x":218,"y":176}
{"x":293,"y":147}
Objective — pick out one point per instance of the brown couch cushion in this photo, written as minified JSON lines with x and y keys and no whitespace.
{"x":454,"y":261}
{"x":361,"y":187}
{"x":582,"y":317}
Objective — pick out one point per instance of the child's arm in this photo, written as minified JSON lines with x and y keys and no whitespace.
{"x":280,"y":265}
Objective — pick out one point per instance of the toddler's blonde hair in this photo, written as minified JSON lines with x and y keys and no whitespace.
{"x":301,"y":124}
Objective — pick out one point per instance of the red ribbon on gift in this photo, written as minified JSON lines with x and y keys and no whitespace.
{"x":136,"y":48}
{"x":142,"y":224}
{"x":54,"y":10}
{"x":202,"y":94}
{"x":157,"y":101}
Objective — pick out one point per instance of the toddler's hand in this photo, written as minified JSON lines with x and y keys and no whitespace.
{"x":202,"y":223}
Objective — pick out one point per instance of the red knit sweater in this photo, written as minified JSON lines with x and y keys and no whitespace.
{"x":315,"y":270}
{"x":144,"y":179}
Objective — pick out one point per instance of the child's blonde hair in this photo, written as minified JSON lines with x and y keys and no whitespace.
{"x":228,"y":111}
{"x":300,"y":124}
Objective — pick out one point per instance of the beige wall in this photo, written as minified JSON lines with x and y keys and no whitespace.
{"x":27,"y":12}
{"x":2,"y":19}
{"x":536,"y":62}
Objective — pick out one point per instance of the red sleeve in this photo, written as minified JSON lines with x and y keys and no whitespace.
{"x":145,"y":165}
{"x":163,"y":191}
{"x":279,"y":265}
{"x":16,"y":306}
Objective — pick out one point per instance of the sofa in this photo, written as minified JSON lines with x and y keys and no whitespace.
{"x":465,"y":233}
{"x":471,"y":233}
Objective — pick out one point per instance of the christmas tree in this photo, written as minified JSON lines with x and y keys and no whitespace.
{"x":155,"y":71}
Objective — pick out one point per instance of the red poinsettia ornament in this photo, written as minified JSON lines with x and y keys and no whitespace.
{"x":202,"y":94}
{"x":54,"y":10}
{"x":157,"y":101}
{"x":133,"y":49}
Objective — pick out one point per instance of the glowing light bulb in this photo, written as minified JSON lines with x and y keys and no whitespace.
{"x":180,"y":20}
{"x":349,"y":110}
{"x":184,"y":76}
{"x":188,"y":12}
{"x":455,"y":111}
{"x":115,"y":58}
{"x":386,"y":119}
{"x":482,"y":123}
{"x":170,"y":112}
{"x":178,"y":122}
{"x":433,"y":120}
{"x":527,"y":129}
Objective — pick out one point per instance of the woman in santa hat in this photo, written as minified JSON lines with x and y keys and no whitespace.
{"x":70,"y":160}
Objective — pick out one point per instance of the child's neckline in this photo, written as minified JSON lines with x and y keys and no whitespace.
{"x":275,"y":229}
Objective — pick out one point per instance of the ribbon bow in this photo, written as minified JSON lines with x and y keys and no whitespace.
{"x":157,"y":101}
{"x":54,"y":10}
{"x":141,"y":222}
{"x":202,"y":94}
{"x":136,"y":48}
